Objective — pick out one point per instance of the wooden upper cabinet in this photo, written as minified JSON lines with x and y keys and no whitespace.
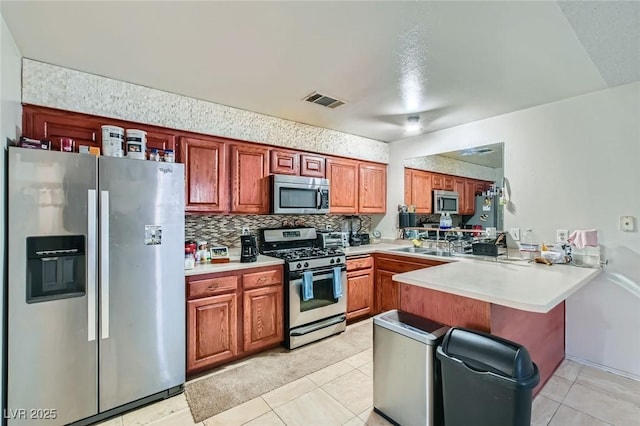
{"x":407,"y":186}
{"x":205,"y":175}
{"x":53,"y":126}
{"x":469,"y":204}
{"x":343,"y":181}
{"x":448,"y":183}
{"x":312,"y":166}
{"x":437,"y":181}
{"x":161,"y":141}
{"x":287,"y":162}
{"x":458,"y":186}
{"x":372,"y":190}
{"x":421,"y":191}
{"x":284,"y":162}
{"x":479,"y":187}
{"x":249,"y":179}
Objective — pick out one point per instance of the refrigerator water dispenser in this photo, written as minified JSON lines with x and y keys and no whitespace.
{"x":55,"y":267}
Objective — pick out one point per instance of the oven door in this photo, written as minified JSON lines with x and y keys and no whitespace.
{"x":323,"y":304}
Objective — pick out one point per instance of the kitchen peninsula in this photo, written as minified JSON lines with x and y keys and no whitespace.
{"x":521,"y":302}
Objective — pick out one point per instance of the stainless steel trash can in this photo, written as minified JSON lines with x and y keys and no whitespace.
{"x":406,"y":385}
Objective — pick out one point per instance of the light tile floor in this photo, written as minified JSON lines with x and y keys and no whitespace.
{"x":342,"y":394}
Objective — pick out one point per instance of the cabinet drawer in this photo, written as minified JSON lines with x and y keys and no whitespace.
{"x":396,"y":265}
{"x":263,"y":278}
{"x":359,"y":263}
{"x":211,"y":286}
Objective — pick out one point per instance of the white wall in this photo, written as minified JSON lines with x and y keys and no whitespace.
{"x":10,"y":124}
{"x":572,"y":164}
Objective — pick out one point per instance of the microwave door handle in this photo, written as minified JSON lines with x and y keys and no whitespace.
{"x":318,"y":199}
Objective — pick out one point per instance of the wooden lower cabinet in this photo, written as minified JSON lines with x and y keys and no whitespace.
{"x":262,"y":317}
{"x":386,"y":266}
{"x":232,"y":314}
{"x":387,"y":291}
{"x":212,"y":335}
{"x":360,"y":287}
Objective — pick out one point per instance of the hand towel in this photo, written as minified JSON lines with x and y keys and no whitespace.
{"x":337,"y":282}
{"x":307,"y":286}
{"x":584,"y":238}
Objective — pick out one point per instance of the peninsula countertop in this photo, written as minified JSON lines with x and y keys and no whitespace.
{"x":526,"y":286}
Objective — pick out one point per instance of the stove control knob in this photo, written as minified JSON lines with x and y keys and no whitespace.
{"x":298,"y":266}
{"x":332,"y":261}
{"x":306,"y":264}
{"x":338,"y":260}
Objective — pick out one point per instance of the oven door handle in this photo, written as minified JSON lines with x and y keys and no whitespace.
{"x":325,"y":273}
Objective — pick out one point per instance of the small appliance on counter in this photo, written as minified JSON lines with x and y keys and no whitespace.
{"x":355,"y":240}
{"x":249,"y":249}
{"x":364,"y":239}
{"x":329,"y":239}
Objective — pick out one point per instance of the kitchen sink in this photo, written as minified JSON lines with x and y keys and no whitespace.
{"x":423,"y":250}
{"x":413,"y":250}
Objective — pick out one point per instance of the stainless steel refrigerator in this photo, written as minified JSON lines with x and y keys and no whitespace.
{"x":96,"y":302}
{"x":488,"y":212}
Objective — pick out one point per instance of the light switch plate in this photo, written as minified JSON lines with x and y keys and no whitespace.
{"x":515,"y":234}
{"x":627,"y":223}
{"x":562,"y":235}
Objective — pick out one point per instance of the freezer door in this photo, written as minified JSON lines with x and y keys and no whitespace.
{"x":52,"y":347}
{"x":142,"y":297}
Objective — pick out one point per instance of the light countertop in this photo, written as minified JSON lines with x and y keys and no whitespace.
{"x":233,"y":265}
{"x":526,"y":286}
{"x":516,"y":284}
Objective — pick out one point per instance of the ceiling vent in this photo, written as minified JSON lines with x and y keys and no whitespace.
{"x":324,"y":100}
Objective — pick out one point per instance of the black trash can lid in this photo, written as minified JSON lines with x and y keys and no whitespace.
{"x":486,"y":352}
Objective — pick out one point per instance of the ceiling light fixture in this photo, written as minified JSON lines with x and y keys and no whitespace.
{"x":413,"y":123}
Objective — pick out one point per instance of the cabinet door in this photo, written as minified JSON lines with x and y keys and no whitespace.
{"x":458,"y":186}
{"x":262,"y":317}
{"x":359,"y":293}
{"x":161,"y":142}
{"x":387,"y":291}
{"x":343,"y":181}
{"x":372,"y":190}
{"x":312,"y":166}
{"x":448,"y":182}
{"x":285,"y":162}
{"x":407,"y":186}
{"x":479,"y":187}
{"x":205,"y":175}
{"x":437,"y":181}
{"x":249,"y":183}
{"x":421,"y":191}
{"x":84,"y":131}
{"x":469,"y":197}
{"x":212,"y":326}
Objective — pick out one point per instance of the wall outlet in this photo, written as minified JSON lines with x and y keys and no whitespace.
{"x":627,"y":224}
{"x":245,"y":230}
{"x":562,"y":235}
{"x":515,"y":234}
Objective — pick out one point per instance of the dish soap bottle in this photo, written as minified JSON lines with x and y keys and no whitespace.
{"x":445,"y":221}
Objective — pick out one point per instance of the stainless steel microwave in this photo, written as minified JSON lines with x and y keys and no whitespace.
{"x":299,"y":195}
{"x":445,"y":202}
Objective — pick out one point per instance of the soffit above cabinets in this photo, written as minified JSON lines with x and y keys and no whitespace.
{"x":448,"y":62}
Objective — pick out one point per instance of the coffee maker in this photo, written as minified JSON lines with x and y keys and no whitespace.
{"x":249,"y":248}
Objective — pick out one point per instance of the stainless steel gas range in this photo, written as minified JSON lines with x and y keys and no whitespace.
{"x":315,"y":288}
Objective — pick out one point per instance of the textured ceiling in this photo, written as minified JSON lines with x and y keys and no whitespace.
{"x":448,"y":62}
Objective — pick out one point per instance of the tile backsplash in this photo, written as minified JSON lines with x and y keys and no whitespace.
{"x":226,"y":229}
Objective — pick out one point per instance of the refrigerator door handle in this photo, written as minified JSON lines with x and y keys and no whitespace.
{"x":104,"y":261}
{"x":91,"y":263}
